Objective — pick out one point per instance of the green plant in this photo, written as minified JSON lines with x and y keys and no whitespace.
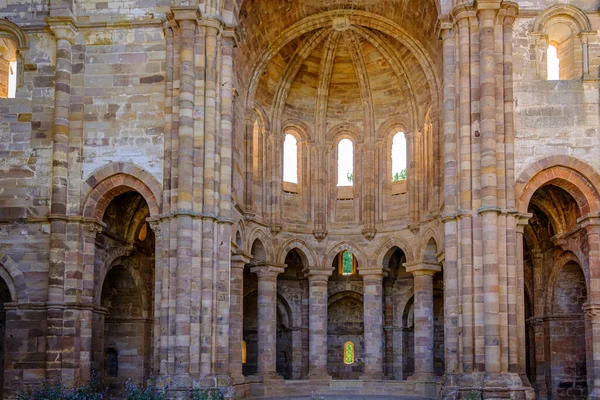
{"x":474,"y":395}
{"x":399,"y":176}
{"x":57,"y":391}
{"x":349,"y":176}
{"x":151,"y":392}
{"x":207,"y":394}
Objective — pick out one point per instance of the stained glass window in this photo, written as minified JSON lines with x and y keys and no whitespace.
{"x":348,"y":353}
{"x":347,"y":262}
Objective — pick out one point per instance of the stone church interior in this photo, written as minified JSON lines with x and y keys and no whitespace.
{"x":293,"y":198}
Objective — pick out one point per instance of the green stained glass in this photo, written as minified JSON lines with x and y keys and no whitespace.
{"x":347,"y":260}
{"x":349,"y":353}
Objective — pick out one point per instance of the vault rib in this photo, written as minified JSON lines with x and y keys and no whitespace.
{"x":289,"y":76}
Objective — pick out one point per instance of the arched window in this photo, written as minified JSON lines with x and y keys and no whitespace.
{"x":399,"y":157}
{"x":111,"y":363}
{"x":244,"y":351}
{"x":11,"y":40}
{"x":348,"y":353}
{"x":553,"y":63}
{"x":346,"y":263}
{"x":345,"y":163}
{"x":290,"y":159}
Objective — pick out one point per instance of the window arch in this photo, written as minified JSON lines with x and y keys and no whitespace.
{"x":346,"y":263}
{"x":348,"y":353}
{"x":290,"y":159}
{"x":345,"y":163}
{"x":399,"y":155}
{"x":12,"y":42}
{"x":566,"y":29}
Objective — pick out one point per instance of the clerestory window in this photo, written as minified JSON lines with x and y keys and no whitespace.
{"x":290,"y":159}
{"x":399,"y":157}
{"x":345,"y":163}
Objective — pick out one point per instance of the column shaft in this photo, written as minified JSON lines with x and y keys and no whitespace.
{"x":317,"y":324}
{"x":373,"y":325}
{"x":423,"y":304}
{"x":267,"y":320}
{"x":236,"y":316}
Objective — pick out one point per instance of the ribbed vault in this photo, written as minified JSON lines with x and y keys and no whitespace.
{"x":340,"y":67}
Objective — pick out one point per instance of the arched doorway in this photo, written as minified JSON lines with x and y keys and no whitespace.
{"x":556,"y":284}
{"x":124,"y":259}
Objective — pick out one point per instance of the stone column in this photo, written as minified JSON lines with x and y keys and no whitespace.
{"x":267,"y":318}
{"x":592,"y":228}
{"x":423,"y":309}
{"x":522,"y":221}
{"x":317,"y":323}
{"x":373,"y":322}
{"x":236,"y":316}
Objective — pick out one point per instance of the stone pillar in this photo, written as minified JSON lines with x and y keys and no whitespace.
{"x":317,"y":323}
{"x":267,"y":318}
{"x":236,"y":316}
{"x":423,"y":309}
{"x":592,"y":228}
{"x":522,"y":221}
{"x":373,"y":322}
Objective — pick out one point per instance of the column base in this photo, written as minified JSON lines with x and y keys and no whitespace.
{"x":424,"y":377}
{"x":371,"y":377}
{"x":320,"y":376}
{"x":485,"y":386}
{"x":238,"y":379}
{"x":265,"y":377}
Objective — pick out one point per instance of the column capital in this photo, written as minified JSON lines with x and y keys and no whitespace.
{"x":593,"y":311}
{"x":240,"y":258}
{"x":317,"y":273}
{"x":422,"y":268}
{"x":267,"y":270}
{"x":522,"y":220}
{"x":372,"y":273}
{"x":589,"y":221}
{"x":63,"y":28}
{"x":184,"y":13}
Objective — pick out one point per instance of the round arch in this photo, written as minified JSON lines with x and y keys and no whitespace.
{"x":137,"y":278}
{"x":113,"y":179}
{"x":573,"y":175}
{"x":562,"y":10}
{"x":564,"y":259}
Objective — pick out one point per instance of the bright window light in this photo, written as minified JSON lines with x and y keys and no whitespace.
{"x":399,"y":157}
{"x":290,"y":159}
{"x":345,"y":163}
{"x":12,"y":80}
{"x":553,"y":64}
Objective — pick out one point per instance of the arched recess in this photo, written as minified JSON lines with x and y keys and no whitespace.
{"x":345,"y":323}
{"x":14,"y":42}
{"x":558,"y":270}
{"x":428,"y":247}
{"x":407,"y":359}
{"x":123,"y":255}
{"x":383,"y":253}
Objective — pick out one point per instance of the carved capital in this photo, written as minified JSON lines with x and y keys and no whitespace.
{"x":63,"y":28}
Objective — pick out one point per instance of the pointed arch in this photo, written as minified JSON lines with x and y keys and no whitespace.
{"x":306,"y":252}
{"x":266,"y":241}
{"x":400,"y":243}
{"x":333,"y":251}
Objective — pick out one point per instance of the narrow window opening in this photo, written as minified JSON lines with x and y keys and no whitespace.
{"x":347,"y":263}
{"x":290,"y":159}
{"x":348,"y":353}
{"x":399,"y":157}
{"x":244,"y":351}
{"x":553,"y":63}
{"x":112,"y":363}
{"x":345,"y":163}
